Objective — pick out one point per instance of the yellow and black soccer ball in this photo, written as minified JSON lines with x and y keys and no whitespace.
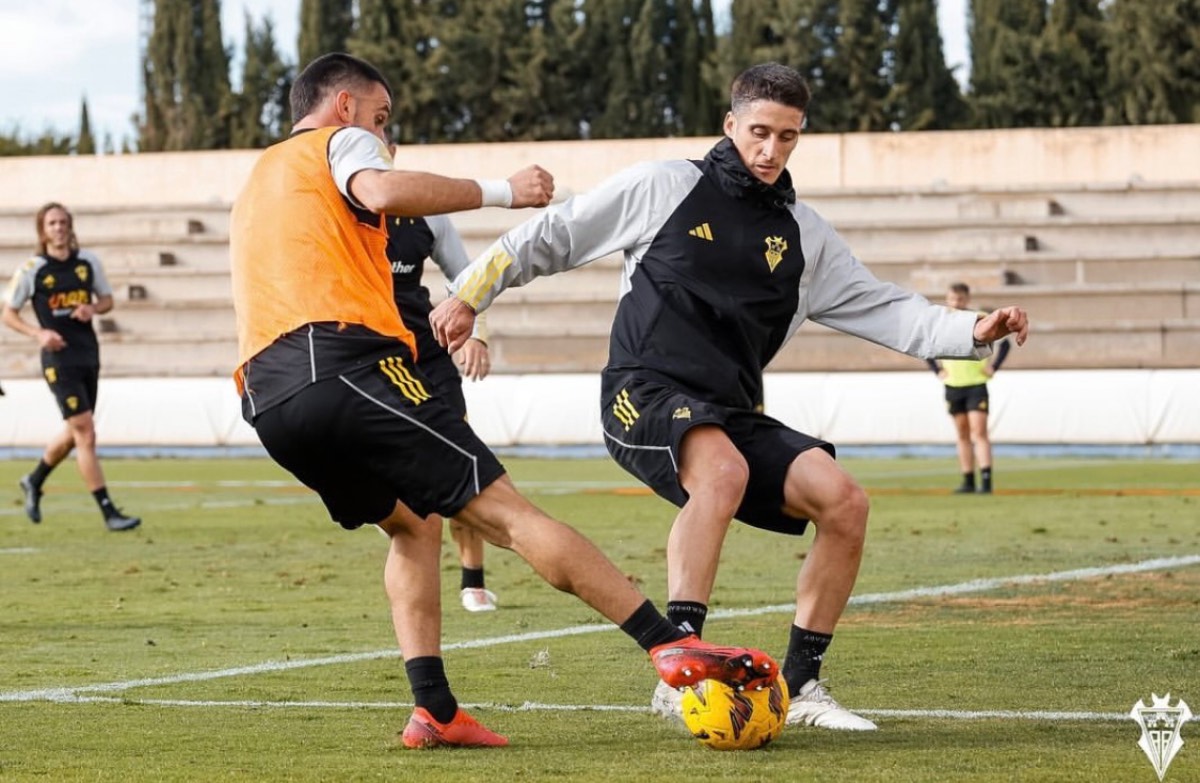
{"x":724,"y":718}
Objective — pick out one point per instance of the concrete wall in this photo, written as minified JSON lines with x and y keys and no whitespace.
{"x":957,"y":159}
{"x":1130,"y":407}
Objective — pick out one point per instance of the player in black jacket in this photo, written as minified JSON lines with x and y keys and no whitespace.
{"x":722,"y":265}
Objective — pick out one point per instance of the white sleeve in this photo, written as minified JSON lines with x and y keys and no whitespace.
{"x":100,"y":285}
{"x":622,"y":213}
{"x":350,"y":151}
{"x":20,"y":287}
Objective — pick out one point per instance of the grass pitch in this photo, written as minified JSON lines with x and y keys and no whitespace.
{"x":239,"y":635}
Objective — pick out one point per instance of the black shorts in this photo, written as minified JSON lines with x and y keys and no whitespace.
{"x":74,"y":388}
{"x":375,"y":435}
{"x":960,"y":399}
{"x":644,"y":424}
{"x":439,"y":368}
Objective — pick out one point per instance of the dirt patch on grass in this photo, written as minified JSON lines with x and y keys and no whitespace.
{"x":1126,"y":595}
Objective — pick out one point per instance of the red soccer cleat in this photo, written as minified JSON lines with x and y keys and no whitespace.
{"x":690,"y":660}
{"x":462,"y":731}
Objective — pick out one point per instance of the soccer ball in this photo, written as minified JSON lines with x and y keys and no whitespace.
{"x":727,"y":719}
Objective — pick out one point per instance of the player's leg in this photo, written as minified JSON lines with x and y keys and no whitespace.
{"x":818,"y":489}
{"x":713,"y":473}
{"x":965,"y":450}
{"x":56,"y":450}
{"x":83,"y":431}
{"x":31,"y":484}
{"x":473,"y":590}
{"x":978,"y":424}
{"x":568,"y":561}
{"x":412,"y":580}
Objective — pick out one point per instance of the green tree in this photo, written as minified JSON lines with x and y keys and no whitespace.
{"x":188,"y":101}
{"x":1154,"y":62}
{"x":699,"y":92}
{"x":482,"y":48}
{"x":611,"y":93}
{"x":1074,"y":63}
{"x":538,"y":90}
{"x":262,"y":116}
{"x":1006,"y":82}
{"x":325,"y":26}
{"x":397,"y":37}
{"x":860,"y":47}
{"x":14,"y":143}
{"x":86,"y":143}
{"x":653,"y":80}
{"x":924,"y":93}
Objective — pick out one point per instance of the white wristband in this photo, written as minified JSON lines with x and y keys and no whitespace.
{"x":496,"y":193}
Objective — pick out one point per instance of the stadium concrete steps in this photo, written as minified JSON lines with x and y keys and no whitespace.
{"x":1109,"y":273}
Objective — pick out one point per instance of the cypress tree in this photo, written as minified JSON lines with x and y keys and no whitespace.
{"x":86,"y":143}
{"x":860,"y":49}
{"x":397,"y":37}
{"x":262,"y":112}
{"x":612,"y":95}
{"x":188,"y":99}
{"x":1074,"y":68}
{"x":651,"y":104}
{"x":924,"y":93}
{"x":1154,"y":62}
{"x":1006,"y":77}
{"x":325,"y":26}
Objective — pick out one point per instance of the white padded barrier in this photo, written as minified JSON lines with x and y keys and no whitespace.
{"x":1133,"y":407}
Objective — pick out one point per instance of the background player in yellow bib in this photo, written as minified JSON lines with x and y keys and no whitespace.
{"x":967,"y":401}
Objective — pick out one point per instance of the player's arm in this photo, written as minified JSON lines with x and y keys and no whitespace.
{"x":1001,"y":354}
{"x":362,"y":169}
{"x":450,"y":254}
{"x":101,"y":290}
{"x":843,"y":295}
{"x":19,"y":291}
{"x":614,"y":216}
{"x":47,"y":339}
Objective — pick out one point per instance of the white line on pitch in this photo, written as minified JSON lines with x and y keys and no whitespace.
{"x":69,"y":694}
{"x":18,"y":550}
{"x":532,"y":706}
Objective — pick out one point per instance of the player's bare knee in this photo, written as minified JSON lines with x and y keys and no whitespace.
{"x":721,"y":482}
{"x":847,"y":518}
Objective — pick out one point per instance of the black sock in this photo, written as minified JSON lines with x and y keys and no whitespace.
{"x":40,"y":472}
{"x":472,"y":577}
{"x":969,"y":480}
{"x":649,"y":628}
{"x":688,"y":615}
{"x":106,"y":506}
{"x":804,"y":654}
{"x":985,"y":478}
{"x":430,"y":688}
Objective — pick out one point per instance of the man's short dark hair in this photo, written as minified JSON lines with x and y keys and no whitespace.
{"x":328,"y":73}
{"x":769,"y":82}
{"x":961,"y":288}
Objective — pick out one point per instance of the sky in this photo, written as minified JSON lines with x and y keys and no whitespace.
{"x":54,"y":53}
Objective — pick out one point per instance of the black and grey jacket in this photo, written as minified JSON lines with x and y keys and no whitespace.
{"x":720,"y":271}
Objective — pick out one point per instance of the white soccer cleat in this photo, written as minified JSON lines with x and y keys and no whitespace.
{"x":813,"y":706}
{"x":477,"y":599}
{"x":667,"y":701}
